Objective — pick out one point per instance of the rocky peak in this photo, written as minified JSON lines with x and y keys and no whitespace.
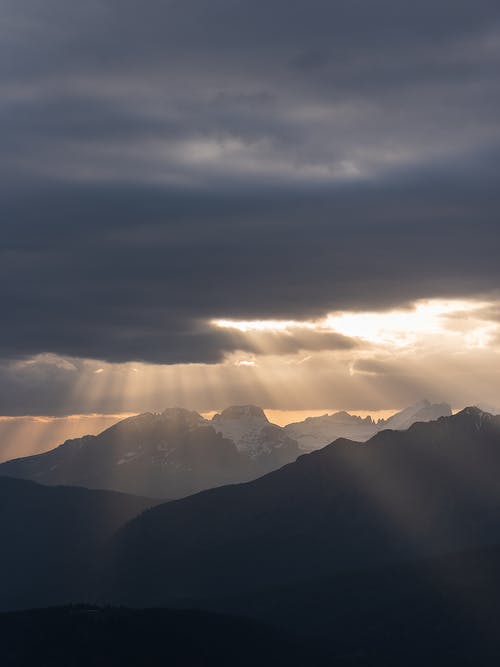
{"x":241,"y":412}
{"x":182,"y":417}
{"x":476,"y":416}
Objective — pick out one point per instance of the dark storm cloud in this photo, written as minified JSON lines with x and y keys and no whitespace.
{"x":166,"y":163}
{"x":79,"y":277}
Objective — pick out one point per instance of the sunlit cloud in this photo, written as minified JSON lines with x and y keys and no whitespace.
{"x":401,"y":328}
{"x":363,"y":362}
{"x":397,"y":328}
{"x":47,"y":359}
{"x":245,"y":362}
{"x":249,"y":326}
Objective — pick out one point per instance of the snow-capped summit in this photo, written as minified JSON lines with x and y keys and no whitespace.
{"x":423,"y":411}
{"x":316,"y":432}
{"x":176,"y":452}
{"x":242,"y":412}
{"x":169,"y":454}
{"x":182,"y":417}
{"x":254,"y":435}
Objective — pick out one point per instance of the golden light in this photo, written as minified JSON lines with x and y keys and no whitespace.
{"x":398,"y":327}
{"x":272,"y":326}
{"x":431,"y":349}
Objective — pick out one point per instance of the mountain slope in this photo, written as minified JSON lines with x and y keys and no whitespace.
{"x":266,"y":444}
{"x":171,"y":454}
{"x":51,"y":538}
{"x":405,"y":494}
{"x":166,"y":455}
{"x":177,"y":452}
{"x":316,"y":432}
{"x":423,"y":411}
{"x":437,"y":611}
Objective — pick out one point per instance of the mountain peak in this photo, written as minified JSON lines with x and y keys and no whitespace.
{"x":176,"y":411}
{"x":182,"y":416}
{"x":254,"y":435}
{"x":241,"y":412}
{"x":475,"y":414}
{"x":468,"y":421}
{"x":422,"y":411}
{"x":421,"y":404}
{"x":473,"y":411}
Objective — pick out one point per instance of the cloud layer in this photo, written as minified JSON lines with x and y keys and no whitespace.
{"x":169,"y":163}
{"x":440,"y":350}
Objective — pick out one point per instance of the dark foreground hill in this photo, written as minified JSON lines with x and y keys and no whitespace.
{"x":93,"y":636}
{"x":443,"y":611}
{"x":52,"y":537}
{"x":438,"y":611}
{"x":400,"y":496}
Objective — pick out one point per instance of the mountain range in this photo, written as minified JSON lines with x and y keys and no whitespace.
{"x":52,"y":537}
{"x":177,"y":452}
{"x":316,"y":432}
{"x":401,"y":495}
{"x":383,"y":552}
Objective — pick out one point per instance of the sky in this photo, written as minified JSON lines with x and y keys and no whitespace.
{"x":289,"y":203}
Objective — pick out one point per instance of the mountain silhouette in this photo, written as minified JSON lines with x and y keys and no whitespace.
{"x":165,"y":455}
{"x":177,"y":452}
{"x":316,"y":432}
{"x":422,"y":411}
{"x":400,"y":496}
{"x":385,"y":552}
{"x":442,"y":611}
{"x":52,"y":537}
{"x":267,"y":445}
{"x":89,"y":636}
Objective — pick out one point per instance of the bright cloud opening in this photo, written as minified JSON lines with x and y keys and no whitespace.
{"x":396,"y":328}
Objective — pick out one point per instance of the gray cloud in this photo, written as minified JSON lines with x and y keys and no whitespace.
{"x":165,"y":163}
{"x":134,"y":273}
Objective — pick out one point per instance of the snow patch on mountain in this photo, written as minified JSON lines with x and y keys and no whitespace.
{"x":253,"y":434}
{"x":423,"y":411}
{"x":316,"y":432}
